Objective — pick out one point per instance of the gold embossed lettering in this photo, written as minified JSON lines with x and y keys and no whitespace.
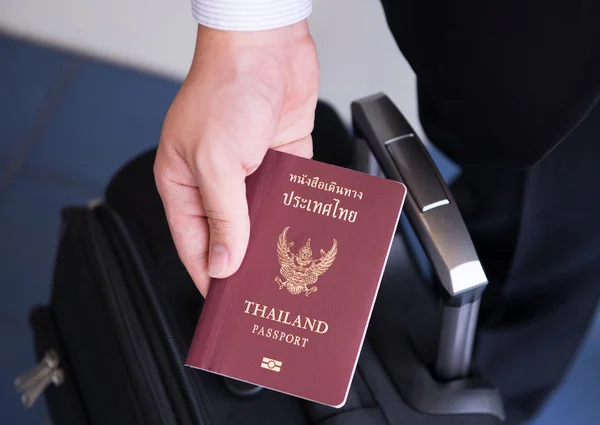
{"x":297,"y":321}
{"x":322,"y":327}
{"x":317,"y":206}
{"x":257,"y":308}
{"x":271,"y":315}
{"x":287,"y":198}
{"x":310,"y":323}
{"x":343,"y":213}
{"x":337,"y":201}
{"x":285,"y":317}
{"x":333,"y":187}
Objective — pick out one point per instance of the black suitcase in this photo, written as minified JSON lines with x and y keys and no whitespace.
{"x":112,"y":342}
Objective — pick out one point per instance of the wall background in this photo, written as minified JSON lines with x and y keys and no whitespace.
{"x":158,"y":36}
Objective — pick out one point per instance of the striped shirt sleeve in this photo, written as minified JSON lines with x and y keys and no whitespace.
{"x":250,"y":15}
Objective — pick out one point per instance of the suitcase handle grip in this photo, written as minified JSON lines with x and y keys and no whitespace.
{"x":437,"y":222}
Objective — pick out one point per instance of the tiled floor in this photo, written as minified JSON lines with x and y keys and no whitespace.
{"x":66,"y":124}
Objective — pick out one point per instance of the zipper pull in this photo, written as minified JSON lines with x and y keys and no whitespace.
{"x":33,"y":383}
{"x":55,"y":376}
{"x":49,"y":362}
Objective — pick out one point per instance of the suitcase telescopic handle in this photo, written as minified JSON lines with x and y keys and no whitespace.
{"x":437,"y":222}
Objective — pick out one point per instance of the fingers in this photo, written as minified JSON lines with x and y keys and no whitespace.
{"x":207,"y":211}
{"x":221,"y":183}
{"x":185,"y":215}
{"x":190,"y":235}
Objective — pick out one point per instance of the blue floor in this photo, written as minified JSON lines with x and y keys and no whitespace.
{"x":66,"y":124}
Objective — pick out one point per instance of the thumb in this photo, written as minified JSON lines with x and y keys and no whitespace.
{"x":221,"y":182}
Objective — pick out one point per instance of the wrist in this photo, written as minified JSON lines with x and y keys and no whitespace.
{"x":250,"y":15}
{"x":259,"y":38}
{"x":251,"y":55}
{"x":234,"y":46}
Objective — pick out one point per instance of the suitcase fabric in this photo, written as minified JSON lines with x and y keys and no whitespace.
{"x":123,"y":311}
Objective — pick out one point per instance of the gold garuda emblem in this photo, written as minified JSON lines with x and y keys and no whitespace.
{"x":301,"y":270}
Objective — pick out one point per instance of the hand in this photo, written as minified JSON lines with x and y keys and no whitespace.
{"x":245,"y":92}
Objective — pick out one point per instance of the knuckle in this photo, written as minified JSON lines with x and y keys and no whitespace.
{"x":207,"y":160}
{"x":195,"y":257}
{"x":158,"y":170}
{"x":159,"y":180}
{"x":200,"y":164}
{"x":219,"y":226}
{"x":309,"y":152}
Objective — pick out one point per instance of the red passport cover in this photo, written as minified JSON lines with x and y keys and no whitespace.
{"x":294,"y":316}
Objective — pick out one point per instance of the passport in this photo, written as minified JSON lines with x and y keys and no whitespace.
{"x":294,"y":316}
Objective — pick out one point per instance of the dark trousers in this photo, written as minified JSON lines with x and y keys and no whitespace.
{"x":499,"y":87}
{"x":537,"y":232}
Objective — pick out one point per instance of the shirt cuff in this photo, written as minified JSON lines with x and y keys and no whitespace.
{"x":250,"y":15}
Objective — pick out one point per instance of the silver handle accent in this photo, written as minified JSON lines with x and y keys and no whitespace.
{"x":436,"y":220}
